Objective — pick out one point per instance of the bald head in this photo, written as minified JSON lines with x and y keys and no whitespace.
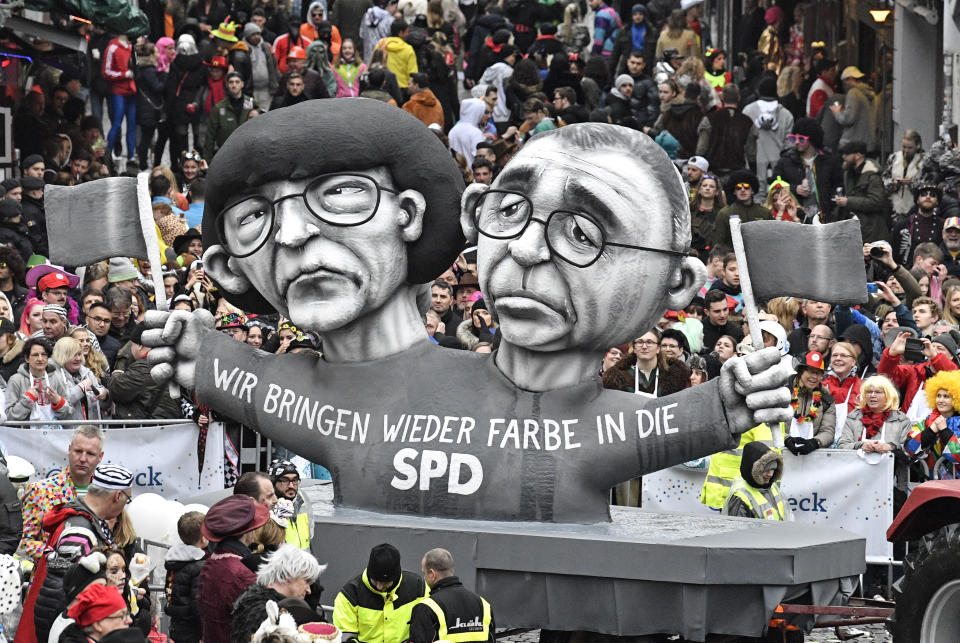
{"x":436,"y":564}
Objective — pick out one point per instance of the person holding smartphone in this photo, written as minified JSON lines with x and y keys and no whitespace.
{"x":941,"y":353}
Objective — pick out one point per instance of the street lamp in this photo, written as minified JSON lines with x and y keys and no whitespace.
{"x":879,"y":15}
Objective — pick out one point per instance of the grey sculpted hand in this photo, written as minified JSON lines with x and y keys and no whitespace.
{"x":174,"y":339}
{"x":753,"y":389}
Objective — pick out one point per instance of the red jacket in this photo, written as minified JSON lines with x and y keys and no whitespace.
{"x":281,"y":47}
{"x":116,"y":64}
{"x":847,"y":390}
{"x":911,"y":378}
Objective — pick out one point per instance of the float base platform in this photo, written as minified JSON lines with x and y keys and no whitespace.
{"x":642,"y":573}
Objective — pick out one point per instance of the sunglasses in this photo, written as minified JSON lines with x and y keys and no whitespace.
{"x":794,"y":139}
{"x":192,"y":156}
{"x":743,"y":186}
{"x":925,"y":192}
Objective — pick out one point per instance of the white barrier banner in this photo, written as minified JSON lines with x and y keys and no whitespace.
{"x":163,"y":459}
{"x":835,"y":488}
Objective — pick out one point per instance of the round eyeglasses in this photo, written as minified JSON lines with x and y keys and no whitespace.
{"x":341,"y":199}
{"x":575,"y":237}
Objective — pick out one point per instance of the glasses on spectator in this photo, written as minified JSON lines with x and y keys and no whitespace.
{"x":340,"y":199}
{"x":574,"y":237}
{"x":820,"y":338}
{"x":645,"y":342}
{"x":794,"y":139}
{"x":874,"y":392}
{"x":743,"y":186}
{"x":127,"y":496}
{"x":285,"y":481}
{"x":124,"y":616}
{"x":102,"y":320}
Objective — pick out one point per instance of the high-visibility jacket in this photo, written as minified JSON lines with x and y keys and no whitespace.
{"x":759,"y":503}
{"x":725,"y":466}
{"x":375,"y":616}
{"x":468,"y":633}
{"x":298,"y":531}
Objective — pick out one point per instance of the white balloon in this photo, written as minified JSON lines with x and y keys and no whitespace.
{"x":147,"y":515}
{"x":196,"y":507}
{"x":172,"y":513}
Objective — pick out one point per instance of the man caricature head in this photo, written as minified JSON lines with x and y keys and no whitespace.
{"x":323,"y":223}
{"x":582,"y":239}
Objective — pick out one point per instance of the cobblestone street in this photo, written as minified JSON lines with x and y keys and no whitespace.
{"x":873,"y":633}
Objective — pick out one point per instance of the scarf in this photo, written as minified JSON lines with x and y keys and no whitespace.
{"x":873,"y":422}
{"x":805,"y":403}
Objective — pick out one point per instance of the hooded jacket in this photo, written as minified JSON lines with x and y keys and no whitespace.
{"x":374,"y":27}
{"x":866,"y":200}
{"x":84,"y":406}
{"x":186,"y":78}
{"x":425,"y":106}
{"x":183,"y":564}
{"x":757,"y":456}
{"x":497,"y":75}
{"x":857,"y":117}
{"x":138,"y":397}
{"x":682,"y":120}
{"x":401,"y":58}
{"x":465,"y":135}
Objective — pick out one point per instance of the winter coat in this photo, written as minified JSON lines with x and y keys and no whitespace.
{"x":497,"y":75}
{"x":897,"y":430}
{"x":282,"y":46}
{"x":467,"y":337}
{"x":85,"y":405}
{"x":910,"y":378}
{"x":374,"y":27}
{"x":425,"y":106}
{"x":250,"y":610}
{"x":845,"y":391}
{"x":866,"y":200}
{"x":645,"y":103}
{"x":150,"y":87}
{"x":36,"y":220}
{"x":273,"y":76}
{"x":15,"y":234}
{"x":722,"y":138}
{"x":622,"y":376}
{"x":225,"y":119}
{"x":688,"y":43}
{"x":721,"y":226}
{"x":223,"y":579}
{"x":624,"y":45}
{"x":314,"y":86}
{"x":401,"y":58}
{"x":857,"y":118}
{"x":617,"y":106}
{"x":829,"y":176}
{"x":185,"y":81}
{"x":465,"y":135}
{"x":138,"y":397}
{"x":901,"y":196}
{"x":19,"y":406}
{"x":682,"y":120}
{"x":183,"y":564}
{"x":485,"y":25}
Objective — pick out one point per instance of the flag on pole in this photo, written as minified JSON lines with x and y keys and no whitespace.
{"x":94,"y":221}
{"x":819,"y":262}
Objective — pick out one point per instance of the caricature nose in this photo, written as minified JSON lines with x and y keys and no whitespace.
{"x":530,"y":248}
{"x":293,"y":222}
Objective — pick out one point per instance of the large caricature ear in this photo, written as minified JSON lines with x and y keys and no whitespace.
{"x":412,"y":208}
{"x":685,"y":283}
{"x":468,"y":210}
{"x":224,"y":270}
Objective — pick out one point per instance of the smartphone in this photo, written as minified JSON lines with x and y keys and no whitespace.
{"x":914,"y":351}
{"x":872,"y":288}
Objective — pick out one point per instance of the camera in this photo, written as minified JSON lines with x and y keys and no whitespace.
{"x":877,"y":252}
{"x":873,"y":288}
{"x":914,"y":351}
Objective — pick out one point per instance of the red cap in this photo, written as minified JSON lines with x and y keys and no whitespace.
{"x":813,"y":359}
{"x":217,"y":61}
{"x":297,"y":53}
{"x":52,"y":280}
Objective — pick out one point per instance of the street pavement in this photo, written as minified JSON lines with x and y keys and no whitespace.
{"x":874,"y":634}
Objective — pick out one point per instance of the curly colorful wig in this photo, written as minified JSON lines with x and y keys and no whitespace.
{"x":945,"y":380}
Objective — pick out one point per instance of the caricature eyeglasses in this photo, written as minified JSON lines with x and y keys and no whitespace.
{"x":794,"y":139}
{"x":340,"y":199}
{"x":575,"y":237}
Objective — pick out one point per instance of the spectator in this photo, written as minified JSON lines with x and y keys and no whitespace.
{"x":36,"y":391}
{"x":229,"y":114}
{"x":185,"y":81}
{"x":922,"y":224}
{"x":376,"y":23}
{"x":856,"y":115}
{"x":150,"y":83}
{"x":183,"y":563}
{"x":926,"y":313}
{"x":782,"y":204}
{"x":647,"y":371}
{"x":349,"y":69}
{"x":287,"y":574}
{"x":938,"y":435}
{"x":99,"y":611}
{"x":401,"y":59}
{"x":31,"y":202}
{"x":823,"y":88}
{"x":76,"y":528}
{"x":264,"y":79}
{"x":256,"y":485}
{"x":451,"y":611}
{"x":89,"y":570}
{"x":716,"y":323}
{"x":286,"y":486}
{"x":118,"y":69}
{"x":98,"y":320}
{"x":864,"y":195}
{"x":482,"y":171}
{"x":136,"y":395}
{"x":618,"y":99}
{"x":745,"y":185}
{"x":423,"y":103}
{"x":639,"y":40}
{"x":902,"y":171}
{"x":729,"y":282}
{"x":85,"y":393}
{"x":769,"y":43}
{"x":682,"y":119}
{"x":120,"y":302}
{"x":842,"y":380}
{"x":606,"y":28}
{"x":676,"y":35}
{"x":814,"y":415}
{"x":772,"y":122}
{"x":723,"y":135}
{"x":910,"y":378}
{"x":13,"y":229}
{"x":285,"y":43}
{"x":382,"y":588}
{"x":479,"y":327}
{"x":229,"y":524}
{"x":704,"y":206}
{"x":496,"y":75}
{"x":812,"y":173}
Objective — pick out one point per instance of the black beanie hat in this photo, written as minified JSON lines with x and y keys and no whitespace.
{"x":10,"y":209}
{"x":30,"y":161}
{"x":479,"y":305}
{"x":767,"y":88}
{"x":384,"y":564}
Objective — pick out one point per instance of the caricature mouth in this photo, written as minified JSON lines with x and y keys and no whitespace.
{"x":319,"y":277}
{"x":526,"y":303}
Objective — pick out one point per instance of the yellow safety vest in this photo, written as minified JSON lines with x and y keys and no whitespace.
{"x":378,"y":617}
{"x":298,"y":531}
{"x":478,"y":635}
{"x":716,"y":81}
{"x":725,"y":467}
{"x":761,"y":507}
